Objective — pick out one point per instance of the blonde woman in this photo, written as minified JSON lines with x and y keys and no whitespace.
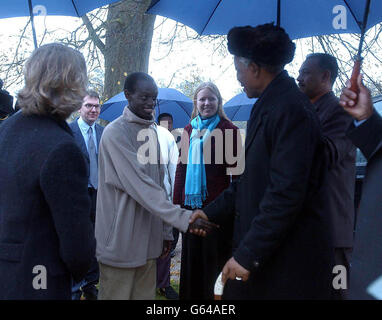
{"x":46,"y":235}
{"x":197,"y":183}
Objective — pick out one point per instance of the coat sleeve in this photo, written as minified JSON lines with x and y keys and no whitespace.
{"x":292,"y":135}
{"x":171,"y":165}
{"x":337,"y":144}
{"x":63,"y":181}
{"x":125,"y":172}
{"x":367,"y":136}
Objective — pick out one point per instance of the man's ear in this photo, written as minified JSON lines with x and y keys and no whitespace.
{"x":255,"y":68}
{"x":326,"y":76}
{"x":127,"y":94}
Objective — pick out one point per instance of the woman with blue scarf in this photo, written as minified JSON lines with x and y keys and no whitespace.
{"x":201,"y":176}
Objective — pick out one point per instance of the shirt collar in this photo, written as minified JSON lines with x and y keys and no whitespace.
{"x":84,"y":126}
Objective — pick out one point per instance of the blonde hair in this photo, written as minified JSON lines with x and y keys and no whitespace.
{"x":55,"y":81}
{"x":214,"y":89}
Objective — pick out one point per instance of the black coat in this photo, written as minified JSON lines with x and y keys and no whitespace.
{"x":44,"y":208}
{"x":338,"y":194}
{"x":278,"y":235}
{"x":367,"y":255}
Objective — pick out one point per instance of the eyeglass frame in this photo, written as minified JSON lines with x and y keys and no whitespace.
{"x":90,"y":106}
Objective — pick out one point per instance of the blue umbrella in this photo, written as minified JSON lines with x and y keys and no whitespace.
{"x":239,"y":107}
{"x":300,"y":18}
{"x":23,"y":8}
{"x":170,"y":101}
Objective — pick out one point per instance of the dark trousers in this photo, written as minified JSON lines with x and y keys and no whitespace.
{"x":89,"y":282}
{"x":175,"y":233}
{"x":342,"y":256}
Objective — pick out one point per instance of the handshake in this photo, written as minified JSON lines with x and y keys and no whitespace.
{"x":199,"y":224}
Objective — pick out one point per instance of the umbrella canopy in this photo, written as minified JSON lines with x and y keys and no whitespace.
{"x":24,"y":8}
{"x":239,"y":107}
{"x":170,"y":101}
{"x":300,"y":18}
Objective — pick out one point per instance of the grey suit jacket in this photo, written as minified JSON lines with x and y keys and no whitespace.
{"x":80,"y":139}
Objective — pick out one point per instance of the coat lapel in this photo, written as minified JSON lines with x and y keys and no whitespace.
{"x":80,"y":140}
{"x":254,"y":124}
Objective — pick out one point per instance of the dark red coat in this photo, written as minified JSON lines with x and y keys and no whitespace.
{"x":217,"y":178}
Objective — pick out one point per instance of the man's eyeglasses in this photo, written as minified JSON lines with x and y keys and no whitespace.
{"x":90,"y":106}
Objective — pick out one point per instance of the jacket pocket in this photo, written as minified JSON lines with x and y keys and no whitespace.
{"x":11,"y":251}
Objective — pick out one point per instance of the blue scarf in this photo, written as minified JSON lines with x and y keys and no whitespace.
{"x":196,"y":182}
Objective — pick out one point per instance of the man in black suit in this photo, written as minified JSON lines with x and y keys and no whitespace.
{"x":316,"y":78}
{"x":366,"y":134}
{"x":87,"y":134}
{"x":281,"y":243}
{"x":6,"y":103}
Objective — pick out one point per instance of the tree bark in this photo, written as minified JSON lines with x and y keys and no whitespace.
{"x":128,"y":38}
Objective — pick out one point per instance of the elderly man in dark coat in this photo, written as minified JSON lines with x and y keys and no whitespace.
{"x":46,"y":235}
{"x":282,"y":245}
{"x":366,"y":134}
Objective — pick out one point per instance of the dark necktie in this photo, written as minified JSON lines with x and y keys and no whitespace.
{"x":93,"y":178}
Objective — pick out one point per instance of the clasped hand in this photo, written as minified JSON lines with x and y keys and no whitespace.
{"x":199,"y":224}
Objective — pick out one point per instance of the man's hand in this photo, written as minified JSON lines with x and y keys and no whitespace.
{"x":166,"y":248}
{"x":361,"y":110}
{"x":233,"y":270}
{"x":199,"y":224}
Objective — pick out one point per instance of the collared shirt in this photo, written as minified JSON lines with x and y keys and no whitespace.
{"x":84,"y":127}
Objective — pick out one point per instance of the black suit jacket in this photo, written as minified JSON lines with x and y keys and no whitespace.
{"x":338,"y":194}
{"x":367,"y":254}
{"x":278,"y":236}
{"x":44,"y":208}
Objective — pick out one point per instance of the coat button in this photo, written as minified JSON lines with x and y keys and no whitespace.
{"x":256,"y":264}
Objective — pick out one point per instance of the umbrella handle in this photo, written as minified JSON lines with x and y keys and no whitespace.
{"x":354,"y":76}
{"x":219,"y":288}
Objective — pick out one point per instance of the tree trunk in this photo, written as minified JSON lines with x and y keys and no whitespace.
{"x":128,"y":38}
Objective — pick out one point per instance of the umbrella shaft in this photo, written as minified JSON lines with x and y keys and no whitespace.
{"x":363,"y":27}
{"x":32,"y":22}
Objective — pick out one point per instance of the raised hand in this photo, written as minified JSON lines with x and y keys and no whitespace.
{"x":361,"y":109}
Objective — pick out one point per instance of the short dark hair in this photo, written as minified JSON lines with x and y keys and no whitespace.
{"x":133,"y":78}
{"x":326,"y":62}
{"x":267,"y":45}
{"x":164,"y":115}
{"x":1,"y":84}
{"x":92,"y":94}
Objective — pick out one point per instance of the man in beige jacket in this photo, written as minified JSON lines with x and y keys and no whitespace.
{"x":132,"y":204}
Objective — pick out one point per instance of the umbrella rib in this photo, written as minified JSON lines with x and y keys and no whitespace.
{"x":179,"y":106}
{"x":353,"y":14}
{"x":208,"y":21}
{"x":75,"y":8}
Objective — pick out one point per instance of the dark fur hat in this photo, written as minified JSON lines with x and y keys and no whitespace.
{"x":265,"y":44}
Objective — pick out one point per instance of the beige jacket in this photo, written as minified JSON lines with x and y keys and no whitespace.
{"x":132,"y":204}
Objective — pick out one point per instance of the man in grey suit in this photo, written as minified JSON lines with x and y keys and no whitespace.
{"x":87,"y":134}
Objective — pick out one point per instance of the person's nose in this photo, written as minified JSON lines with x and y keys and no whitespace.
{"x":151,"y":103}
